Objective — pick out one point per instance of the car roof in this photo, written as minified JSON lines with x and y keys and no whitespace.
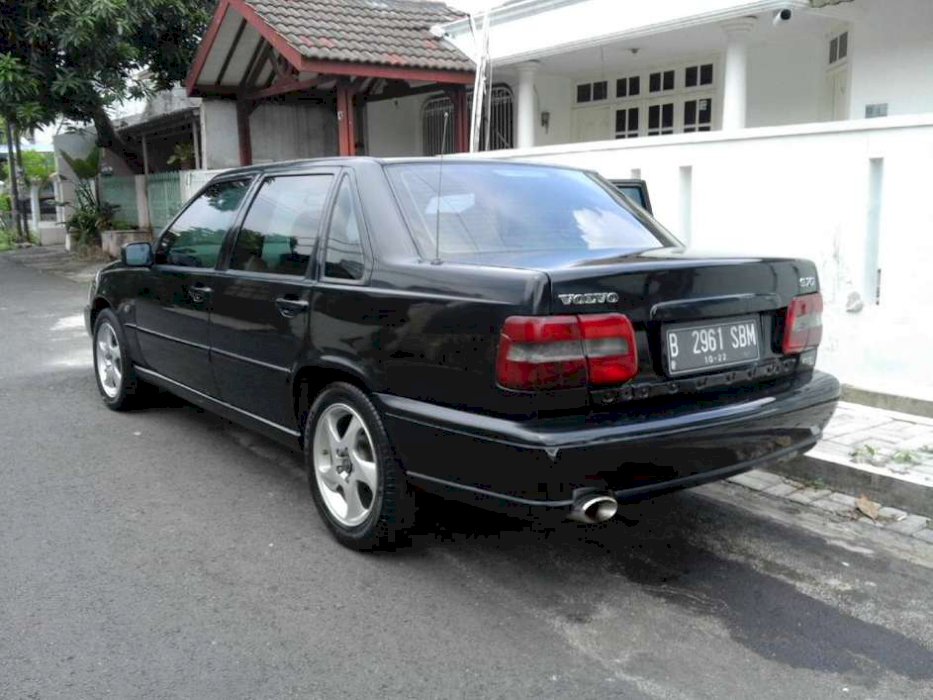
{"x":364,"y":161}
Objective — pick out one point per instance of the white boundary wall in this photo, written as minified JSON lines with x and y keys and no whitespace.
{"x":853,"y":196}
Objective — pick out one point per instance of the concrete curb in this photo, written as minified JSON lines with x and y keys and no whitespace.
{"x":890,"y":402}
{"x":859,"y":479}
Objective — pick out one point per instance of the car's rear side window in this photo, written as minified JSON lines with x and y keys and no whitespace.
{"x":194,"y":239}
{"x":344,"y":257}
{"x":282,"y":225}
{"x":485,"y":208}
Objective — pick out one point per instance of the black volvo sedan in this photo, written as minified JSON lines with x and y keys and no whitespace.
{"x":518,"y":335}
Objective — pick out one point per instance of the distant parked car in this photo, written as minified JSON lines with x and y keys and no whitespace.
{"x":516,"y":335}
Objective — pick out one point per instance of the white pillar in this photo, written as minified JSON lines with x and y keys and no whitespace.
{"x":525,"y":131}
{"x":736,"y":69}
{"x":34,"y":206}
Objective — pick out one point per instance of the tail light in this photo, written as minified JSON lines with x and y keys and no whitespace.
{"x":803,"y":327}
{"x":562,"y":352}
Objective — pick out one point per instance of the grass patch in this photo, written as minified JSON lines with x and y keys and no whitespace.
{"x":6,"y":239}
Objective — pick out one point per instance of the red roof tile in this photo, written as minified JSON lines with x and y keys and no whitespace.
{"x":385,"y":32}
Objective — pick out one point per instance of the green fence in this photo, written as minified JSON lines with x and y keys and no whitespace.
{"x":164,"y":190}
{"x":121,"y":193}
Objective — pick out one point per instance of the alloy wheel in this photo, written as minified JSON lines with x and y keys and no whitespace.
{"x":345,"y":464}
{"x":109,"y":360}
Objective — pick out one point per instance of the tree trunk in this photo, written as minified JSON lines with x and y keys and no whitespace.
{"x":14,"y":187}
{"x":107,"y":137}
{"x":24,"y":219}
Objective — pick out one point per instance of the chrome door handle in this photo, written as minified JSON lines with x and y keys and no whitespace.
{"x":290,"y":308}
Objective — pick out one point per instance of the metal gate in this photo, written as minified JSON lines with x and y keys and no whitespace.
{"x":501,"y":121}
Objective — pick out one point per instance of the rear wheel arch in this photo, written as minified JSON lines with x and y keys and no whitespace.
{"x":310,"y":380}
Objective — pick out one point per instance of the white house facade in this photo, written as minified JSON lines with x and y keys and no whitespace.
{"x":809,"y":135}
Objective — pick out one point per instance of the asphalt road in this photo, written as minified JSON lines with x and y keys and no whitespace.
{"x":168,"y":554}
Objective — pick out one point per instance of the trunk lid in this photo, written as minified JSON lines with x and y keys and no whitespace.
{"x":699,"y":298}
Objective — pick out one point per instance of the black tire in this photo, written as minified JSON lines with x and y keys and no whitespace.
{"x":391,"y":509}
{"x":127,"y":391}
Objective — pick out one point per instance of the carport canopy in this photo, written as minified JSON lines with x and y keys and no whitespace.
{"x":344,"y":52}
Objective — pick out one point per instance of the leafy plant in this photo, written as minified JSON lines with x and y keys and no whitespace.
{"x":38,"y":167}
{"x":866,"y":453}
{"x":182,"y":156}
{"x":905,"y":457}
{"x":91,"y":216}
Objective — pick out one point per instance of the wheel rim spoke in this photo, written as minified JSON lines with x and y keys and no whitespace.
{"x":351,"y":495}
{"x":329,"y":477}
{"x":333,"y":434}
{"x":364,"y":469}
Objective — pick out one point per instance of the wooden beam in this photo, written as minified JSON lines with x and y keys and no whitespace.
{"x":282,"y":87}
{"x":396,"y":90}
{"x":243,"y":109}
{"x":346,"y":126}
{"x":372,"y":70}
{"x":279,"y":43}
{"x":213,"y":90}
{"x":255,"y":64}
{"x":233,"y":48}
{"x":197,"y":146}
{"x":461,"y":119}
{"x":207,"y":43}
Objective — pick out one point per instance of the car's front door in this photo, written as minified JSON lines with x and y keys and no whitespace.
{"x":260,"y":306}
{"x":173,"y":308}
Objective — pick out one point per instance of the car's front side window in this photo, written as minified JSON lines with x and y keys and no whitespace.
{"x":281,"y":227}
{"x":194,"y":239}
{"x":344,"y":258}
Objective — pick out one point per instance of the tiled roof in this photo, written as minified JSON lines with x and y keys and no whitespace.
{"x":384,"y":32}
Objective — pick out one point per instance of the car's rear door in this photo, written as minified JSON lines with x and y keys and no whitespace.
{"x":173,"y":308}
{"x":261,"y":300}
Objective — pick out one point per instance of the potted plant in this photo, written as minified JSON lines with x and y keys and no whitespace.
{"x":182,"y":156}
{"x":90,"y":216}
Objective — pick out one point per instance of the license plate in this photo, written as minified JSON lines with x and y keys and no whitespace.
{"x":695,"y":347}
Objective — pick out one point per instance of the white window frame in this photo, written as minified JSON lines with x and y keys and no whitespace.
{"x":679,"y":95}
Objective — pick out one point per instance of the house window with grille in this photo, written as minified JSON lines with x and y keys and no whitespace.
{"x":698,"y":115}
{"x":695,"y":76}
{"x":593,"y":92}
{"x":628,"y":87}
{"x":501,"y":121}
{"x":661,"y":81}
{"x":627,"y":123}
{"x":667,"y":99}
{"x":838,"y":48}
{"x":661,"y":119}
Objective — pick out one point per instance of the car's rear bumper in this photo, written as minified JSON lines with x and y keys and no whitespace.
{"x":540,"y":464}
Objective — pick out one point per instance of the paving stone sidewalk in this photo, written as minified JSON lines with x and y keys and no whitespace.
{"x":838,"y":504}
{"x":56,"y":260}
{"x":865,"y":451}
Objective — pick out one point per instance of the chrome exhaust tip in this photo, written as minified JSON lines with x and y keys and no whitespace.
{"x":594,"y":508}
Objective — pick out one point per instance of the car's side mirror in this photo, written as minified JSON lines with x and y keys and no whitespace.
{"x":138,"y":254}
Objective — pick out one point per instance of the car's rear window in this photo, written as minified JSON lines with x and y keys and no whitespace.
{"x":487,"y":208}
